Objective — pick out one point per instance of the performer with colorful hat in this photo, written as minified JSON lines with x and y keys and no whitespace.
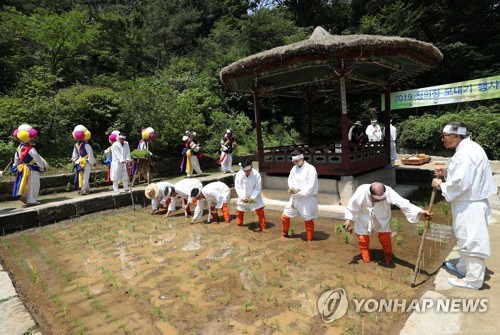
{"x":190,"y":154}
{"x":141,"y":165}
{"x":227,"y":144}
{"x":83,"y":159}
{"x":27,"y":166}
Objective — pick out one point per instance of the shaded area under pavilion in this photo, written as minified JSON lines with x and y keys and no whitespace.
{"x":324,"y":65}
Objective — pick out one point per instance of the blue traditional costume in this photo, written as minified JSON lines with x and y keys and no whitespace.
{"x":83,"y":159}
{"x":190,"y":155}
{"x":27,"y":166}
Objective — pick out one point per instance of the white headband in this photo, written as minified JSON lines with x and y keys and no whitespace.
{"x":296,"y":158}
{"x":378,"y":197}
{"x":246,"y":168}
{"x":460,"y":130}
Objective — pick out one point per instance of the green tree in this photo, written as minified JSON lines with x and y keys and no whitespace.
{"x":61,"y":41}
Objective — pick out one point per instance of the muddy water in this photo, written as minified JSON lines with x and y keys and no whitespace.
{"x":126,"y":272}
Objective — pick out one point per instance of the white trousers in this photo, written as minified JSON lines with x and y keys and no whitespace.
{"x":195,"y":165}
{"x":307,"y":208}
{"x":227,"y":163}
{"x":86,"y":178}
{"x":32,"y":189}
{"x":474,"y":268}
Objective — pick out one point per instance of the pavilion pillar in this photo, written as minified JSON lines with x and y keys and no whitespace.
{"x":309,"y":118}
{"x":258,"y":128}
{"x":344,"y":123}
{"x":387,"y":118}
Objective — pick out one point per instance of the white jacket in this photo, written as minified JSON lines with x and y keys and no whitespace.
{"x":216,"y":193}
{"x":469,"y":183}
{"x":305,"y":179}
{"x":248,"y":187}
{"x":120,"y":154}
{"x":371,"y":217}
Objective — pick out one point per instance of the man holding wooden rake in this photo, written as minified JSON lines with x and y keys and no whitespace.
{"x":468,"y":184}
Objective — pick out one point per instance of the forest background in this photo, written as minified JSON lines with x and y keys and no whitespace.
{"x":126,"y":65}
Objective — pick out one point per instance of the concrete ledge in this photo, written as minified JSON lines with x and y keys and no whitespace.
{"x":47,"y":215}
{"x":7,"y":290}
{"x":14,"y":318}
{"x":432,"y":322}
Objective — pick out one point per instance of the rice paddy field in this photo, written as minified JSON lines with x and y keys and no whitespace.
{"x":127,"y":272}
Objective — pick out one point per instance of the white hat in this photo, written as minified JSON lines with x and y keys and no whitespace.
{"x":122,"y":135}
{"x":152,"y":191}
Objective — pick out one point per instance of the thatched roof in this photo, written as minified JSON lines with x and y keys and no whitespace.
{"x":365,"y":60}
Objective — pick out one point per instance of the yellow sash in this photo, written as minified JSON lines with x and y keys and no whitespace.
{"x":188,"y":162}
{"x":26,"y":172}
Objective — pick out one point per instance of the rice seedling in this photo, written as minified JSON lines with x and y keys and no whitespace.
{"x":399,"y":240}
{"x":397,"y":224}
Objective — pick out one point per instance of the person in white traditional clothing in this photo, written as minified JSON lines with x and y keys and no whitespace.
{"x":27,"y":166}
{"x":227,"y":144}
{"x":370,"y":210}
{"x":303,"y":187}
{"x":182,"y":192}
{"x":190,"y":155}
{"x":120,"y":152}
{"x":217,"y":194}
{"x":159,"y":194}
{"x":394,"y":134}
{"x":113,"y":137}
{"x":373,"y":131}
{"x":248,"y":186}
{"x":468,"y":182}
{"x":83,"y":159}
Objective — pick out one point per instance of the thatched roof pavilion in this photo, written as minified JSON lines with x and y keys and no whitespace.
{"x":331,"y":64}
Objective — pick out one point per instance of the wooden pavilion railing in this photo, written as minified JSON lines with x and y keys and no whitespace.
{"x":328,"y":159}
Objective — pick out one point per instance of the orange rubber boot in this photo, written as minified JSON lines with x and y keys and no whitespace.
{"x":385,"y":240}
{"x":309,"y":230}
{"x":285,"y":224}
{"x":239,"y":217}
{"x":225,"y":212}
{"x":262,"y":219}
{"x":215,"y":215}
{"x":188,"y":209}
{"x":364,"y":246}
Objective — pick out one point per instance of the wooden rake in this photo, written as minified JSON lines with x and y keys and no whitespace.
{"x":426,"y":227}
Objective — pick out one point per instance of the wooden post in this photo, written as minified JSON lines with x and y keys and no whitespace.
{"x":387,"y":119}
{"x":344,"y":123}
{"x":258,"y":128}
{"x":309,"y":117}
